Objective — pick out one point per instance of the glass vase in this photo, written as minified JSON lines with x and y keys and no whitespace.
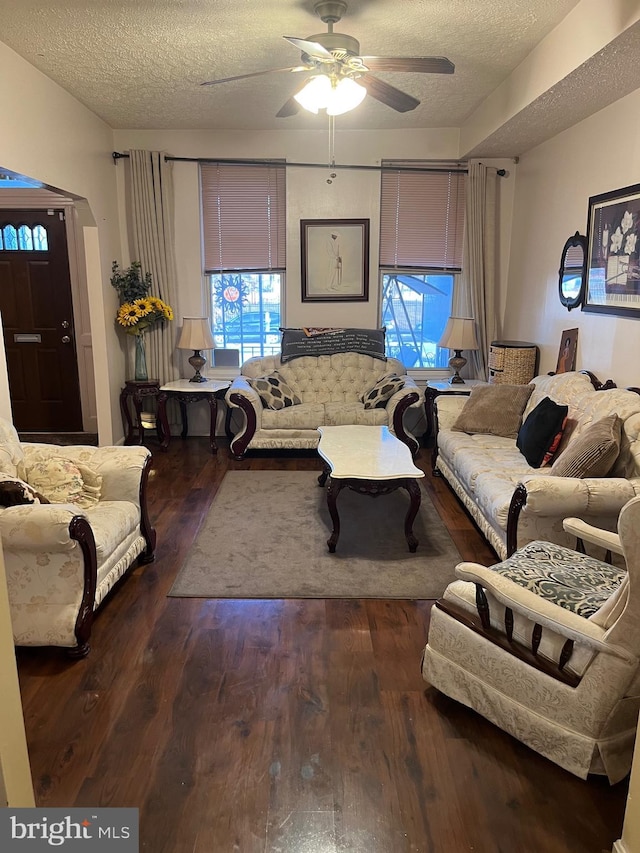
{"x":141,"y":360}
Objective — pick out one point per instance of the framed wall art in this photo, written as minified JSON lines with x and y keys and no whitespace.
{"x":567,"y":352}
{"x":335,"y":260}
{"x":613,"y":243}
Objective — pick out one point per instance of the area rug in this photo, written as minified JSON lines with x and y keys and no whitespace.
{"x":265,"y":536}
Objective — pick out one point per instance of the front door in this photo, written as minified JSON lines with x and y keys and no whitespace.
{"x":37,"y":319}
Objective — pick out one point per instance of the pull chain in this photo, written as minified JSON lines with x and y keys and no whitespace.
{"x":332,"y":148}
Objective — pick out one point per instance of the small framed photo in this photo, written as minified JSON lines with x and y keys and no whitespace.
{"x":335,"y":260}
{"x":567,"y":353}
{"x":613,"y":243}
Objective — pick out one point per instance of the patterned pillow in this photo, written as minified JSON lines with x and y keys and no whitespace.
{"x":576,"y":582}
{"x":63,"y":481}
{"x":593,"y":453}
{"x":494,"y":410}
{"x":378,"y":396}
{"x":274,"y":391}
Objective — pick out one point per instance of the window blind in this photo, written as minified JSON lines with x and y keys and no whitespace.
{"x":243,"y":216}
{"x":422,"y":216}
{"x":574,"y":258}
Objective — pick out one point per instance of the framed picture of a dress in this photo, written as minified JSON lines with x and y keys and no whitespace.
{"x":613,"y":245}
{"x":335,"y":260}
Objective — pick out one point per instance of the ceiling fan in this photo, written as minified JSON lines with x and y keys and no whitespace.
{"x":335,"y":57}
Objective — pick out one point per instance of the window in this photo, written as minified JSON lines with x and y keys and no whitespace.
{"x":23,"y":238}
{"x":421,"y":232}
{"x":243,"y":218}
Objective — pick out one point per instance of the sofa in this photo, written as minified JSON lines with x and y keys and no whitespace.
{"x":73,"y":520}
{"x":327,"y":390}
{"x":513,"y":502}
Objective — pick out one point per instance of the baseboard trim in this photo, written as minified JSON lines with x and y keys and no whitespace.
{"x":620,"y":847}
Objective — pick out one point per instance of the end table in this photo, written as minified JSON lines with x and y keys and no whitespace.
{"x":185,"y":391}
{"x":136,"y":390}
{"x":435,"y":388}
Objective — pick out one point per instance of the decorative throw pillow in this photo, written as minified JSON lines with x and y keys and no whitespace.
{"x":593,"y":453}
{"x":554,"y":447}
{"x":494,"y":410}
{"x":62,"y":481}
{"x":15,"y":492}
{"x":274,"y":391}
{"x":541,"y":427}
{"x":378,"y":396}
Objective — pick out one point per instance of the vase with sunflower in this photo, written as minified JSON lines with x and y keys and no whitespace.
{"x":138,"y":310}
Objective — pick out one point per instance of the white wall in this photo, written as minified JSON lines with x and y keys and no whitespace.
{"x":48,"y":135}
{"x":351,"y":194}
{"x":555,"y":181}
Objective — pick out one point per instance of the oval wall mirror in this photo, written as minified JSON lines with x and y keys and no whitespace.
{"x":571,"y":273}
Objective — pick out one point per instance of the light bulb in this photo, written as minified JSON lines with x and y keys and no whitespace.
{"x":315,"y":94}
{"x":347,"y":95}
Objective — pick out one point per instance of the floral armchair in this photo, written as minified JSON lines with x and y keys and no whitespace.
{"x":68,"y":542}
{"x":546,"y":645}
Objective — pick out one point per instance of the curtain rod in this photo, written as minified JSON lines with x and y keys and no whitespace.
{"x":117,"y":155}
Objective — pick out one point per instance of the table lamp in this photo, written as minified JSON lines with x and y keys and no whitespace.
{"x":196,"y":335}
{"x":459,"y":334}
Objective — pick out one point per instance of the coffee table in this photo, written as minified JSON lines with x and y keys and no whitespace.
{"x":370,"y":460}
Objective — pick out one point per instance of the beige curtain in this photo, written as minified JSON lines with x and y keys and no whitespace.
{"x":151,"y":196}
{"x":476,"y":294}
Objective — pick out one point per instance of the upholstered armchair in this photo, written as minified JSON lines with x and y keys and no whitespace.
{"x":546,"y":645}
{"x":80,"y":522}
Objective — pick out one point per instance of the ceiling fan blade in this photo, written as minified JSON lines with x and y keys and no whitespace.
{"x":311,"y":48}
{"x":387,"y":94}
{"x":254,"y":74}
{"x":419,"y":64}
{"x":290,"y":108}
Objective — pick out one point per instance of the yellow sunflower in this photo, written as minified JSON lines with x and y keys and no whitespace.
{"x":145,"y":305}
{"x":129,"y":314}
{"x":168,"y":312}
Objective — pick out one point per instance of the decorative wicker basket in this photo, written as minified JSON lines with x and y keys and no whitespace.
{"x":512,"y":362}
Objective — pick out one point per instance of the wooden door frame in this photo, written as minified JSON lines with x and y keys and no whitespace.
{"x":40,"y":199}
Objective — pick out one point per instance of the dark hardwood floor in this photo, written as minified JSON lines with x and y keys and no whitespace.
{"x":297,"y":726}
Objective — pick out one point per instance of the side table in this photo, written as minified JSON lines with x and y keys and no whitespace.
{"x":435,"y":388}
{"x":136,"y":390}
{"x":185,"y":391}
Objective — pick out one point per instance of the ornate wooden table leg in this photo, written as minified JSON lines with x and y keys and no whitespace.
{"x":162,"y":418}
{"x":411,"y":485}
{"x":333,"y":490}
{"x":213,"y":409}
{"x":183,"y":417}
{"x":126,"y":414}
{"x":326,"y":470}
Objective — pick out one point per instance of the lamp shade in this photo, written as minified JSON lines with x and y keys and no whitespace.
{"x":459,"y":334}
{"x":196,"y":334}
{"x":336,"y":96}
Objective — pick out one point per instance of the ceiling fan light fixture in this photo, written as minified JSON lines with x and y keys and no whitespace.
{"x":316,"y":94}
{"x":345,"y":96}
{"x":337,"y":97}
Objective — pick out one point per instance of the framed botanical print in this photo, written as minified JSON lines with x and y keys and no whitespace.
{"x":613,"y":243}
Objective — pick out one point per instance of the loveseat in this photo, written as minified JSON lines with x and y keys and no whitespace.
{"x":80,"y":522}
{"x":513,"y":502}
{"x":328,"y":391}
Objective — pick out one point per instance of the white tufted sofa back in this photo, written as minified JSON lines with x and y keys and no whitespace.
{"x":339,"y":378}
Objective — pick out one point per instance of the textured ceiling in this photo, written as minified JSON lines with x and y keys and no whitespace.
{"x":139,"y":63}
